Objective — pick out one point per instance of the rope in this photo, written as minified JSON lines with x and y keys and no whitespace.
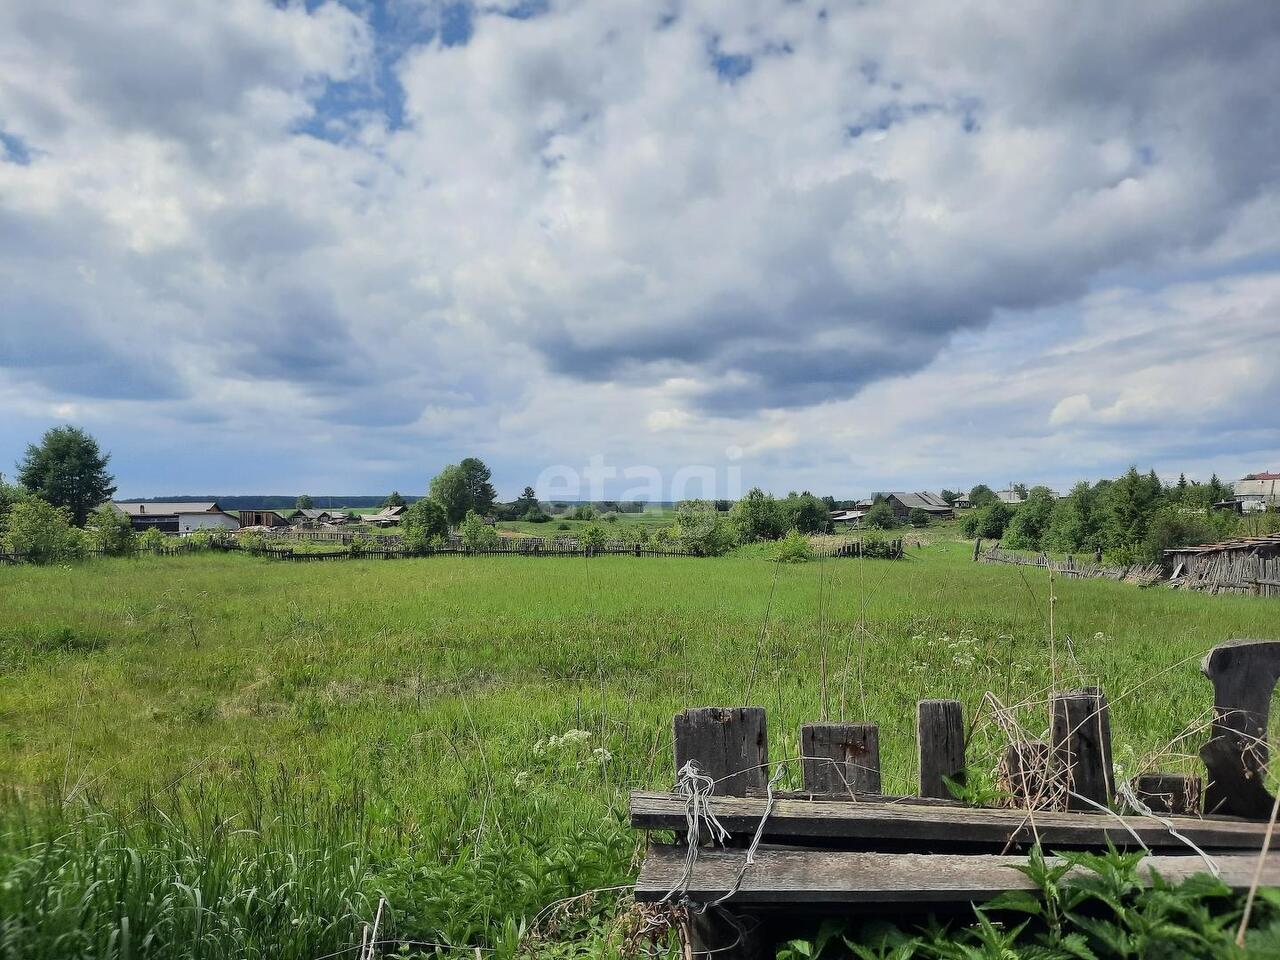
{"x":695,"y":788}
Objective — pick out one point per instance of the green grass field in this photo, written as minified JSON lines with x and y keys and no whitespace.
{"x":241,"y":723}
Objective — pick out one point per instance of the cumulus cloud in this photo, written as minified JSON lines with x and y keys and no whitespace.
{"x":445,"y":226}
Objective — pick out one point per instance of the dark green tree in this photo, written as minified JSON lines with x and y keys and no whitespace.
{"x":981,"y":495}
{"x":480,"y":492}
{"x":806,"y":513}
{"x":881,"y":516}
{"x":423,"y":521}
{"x":68,"y":470}
{"x":1031,"y":520}
{"x":917,"y":517}
{"x":758,"y":516}
{"x":449,"y":489}
{"x":393,"y":500}
{"x":527,"y":501}
{"x":303,"y":502}
{"x":951,"y":496}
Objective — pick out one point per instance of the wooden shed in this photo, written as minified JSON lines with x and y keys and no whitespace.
{"x":1244,"y":565}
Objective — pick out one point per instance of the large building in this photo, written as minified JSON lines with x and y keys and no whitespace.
{"x":1257,"y":491}
{"x":903,"y":503}
{"x":178,"y":517}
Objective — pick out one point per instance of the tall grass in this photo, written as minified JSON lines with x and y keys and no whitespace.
{"x":224,"y":752}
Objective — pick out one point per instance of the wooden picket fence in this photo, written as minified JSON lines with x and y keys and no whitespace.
{"x":1143,"y":574}
{"x":840,"y":845}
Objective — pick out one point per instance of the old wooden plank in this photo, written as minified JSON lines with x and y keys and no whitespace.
{"x":840,"y":756}
{"x":799,"y":876}
{"x":729,"y":744}
{"x":940,"y":744}
{"x":1080,"y":733}
{"x":899,"y":822}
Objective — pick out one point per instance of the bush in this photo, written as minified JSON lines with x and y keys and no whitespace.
{"x":757,"y":516}
{"x":592,"y":536}
{"x":422,"y":523}
{"x":881,"y":517}
{"x":476,"y":534}
{"x":583,"y":512}
{"x":806,"y":513}
{"x":42,"y":532}
{"x":536,"y":514}
{"x":562,"y":525}
{"x":702,"y":530}
{"x":151,"y":540}
{"x":111,"y":532}
{"x":989,"y":522}
{"x":917,"y":517}
{"x":253,"y":541}
{"x":793,"y":548}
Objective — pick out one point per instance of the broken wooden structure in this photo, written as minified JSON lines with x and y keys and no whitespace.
{"x":1248,"y":565}
{"x":753,"y":864}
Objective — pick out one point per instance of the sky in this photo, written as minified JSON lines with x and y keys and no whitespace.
{"x":261,"y":247}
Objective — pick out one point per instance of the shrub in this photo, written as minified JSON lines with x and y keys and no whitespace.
{"x":253,"y":541}
{"x":42,"y":532}
{"x":880,"y":517}
{"x":702,"y":530}
{"x":111,"y":532}
{"x":757,"y":516}
{"x":583,"y":512}
{"x":422,"y":523}
{"x":989,"y":522}
{"x":151,"y":540}
{"x":562,"y":525}
{"x":917,"y":517}
{"x":610,"y":517}
{"x":806,"y":513}
{"x":793,"y":548}
{"x":536,"y":514}
{"x":592,"y":536}
{"x":476,"y":534}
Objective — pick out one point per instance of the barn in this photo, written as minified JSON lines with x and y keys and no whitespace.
{"x":262,"y":518}
{"x":903,"y":503}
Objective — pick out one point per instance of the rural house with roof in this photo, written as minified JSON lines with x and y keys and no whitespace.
{"x":178,"y":517}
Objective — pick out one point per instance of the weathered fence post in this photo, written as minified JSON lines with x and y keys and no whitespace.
{"x":840,"y":757}
{"x":1243,"y":673}
{"x":940,"y":743}
{"x":977,"y":547}
{"x":1080,"y":731}
{"x":731,"y":746}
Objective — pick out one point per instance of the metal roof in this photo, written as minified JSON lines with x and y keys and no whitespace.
{"x":167,"y":509}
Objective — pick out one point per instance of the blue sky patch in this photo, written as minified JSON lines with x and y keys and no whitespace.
{"x":14,"y":149}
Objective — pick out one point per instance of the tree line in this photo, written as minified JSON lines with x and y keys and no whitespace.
{"x":1132,"y":518}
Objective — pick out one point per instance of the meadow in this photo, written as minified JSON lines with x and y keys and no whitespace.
{"x":220,"y":755}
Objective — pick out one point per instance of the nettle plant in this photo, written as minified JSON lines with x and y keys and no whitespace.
{"x":1085,"y":906}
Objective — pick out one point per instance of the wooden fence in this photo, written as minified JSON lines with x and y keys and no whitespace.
{"x":1143,"y":574}
{"x":840,"y":844}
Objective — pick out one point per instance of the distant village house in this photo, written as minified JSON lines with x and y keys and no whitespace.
{"x":178,"y":518}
